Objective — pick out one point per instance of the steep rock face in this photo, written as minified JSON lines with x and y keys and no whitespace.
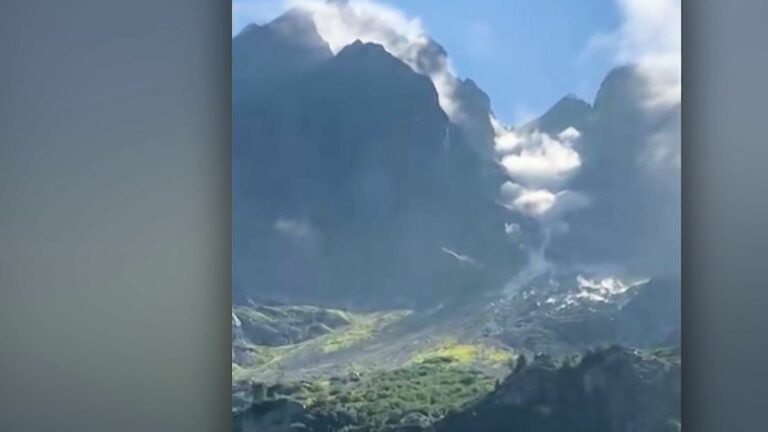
{"x":265,"y":56}
{"x":611,"y":390}
{"x":474,"y":118}
{"x":350,"y":183}
{"x":652,"y":317}
{"x":633,"y":217}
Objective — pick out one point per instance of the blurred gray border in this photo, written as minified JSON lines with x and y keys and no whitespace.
{"x":115,"y":217}
{"x":725,"y":215}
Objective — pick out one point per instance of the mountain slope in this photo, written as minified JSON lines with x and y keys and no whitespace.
{"x":350,"y":182}
{"x":612,"y":390}
{"x":628,"y":172}
{"x":608,"y":390}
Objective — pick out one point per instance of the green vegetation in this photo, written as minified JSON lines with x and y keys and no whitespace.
{"x":466,"y":354}
{"x":431,"y":389}
{"x":608,"y":389}
{"x":357,"y":373}
{"x":265,"y":358}
{"x":605,"y":389}
{"x":285,"y":325}
{"x":361,"y":328}
{"x":378,"y":400}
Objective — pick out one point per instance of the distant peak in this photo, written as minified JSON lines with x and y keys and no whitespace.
{"x":620,"y":73}
{"x":474,"y":97}
{"x":618,"y":77}
{"x":294,"y":19}
{"x":360,"y":48}
{"x":570,"y":111}
{"x":296,"y":23}
{"x":617,"y":85}
{"x":369,"y":55}
{"x":570,"y":104}
{"x":360,"y":45}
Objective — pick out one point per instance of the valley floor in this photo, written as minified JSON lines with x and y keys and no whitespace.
{"x":310,"y":368}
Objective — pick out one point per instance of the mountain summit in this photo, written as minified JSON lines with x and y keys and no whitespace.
{"x":350,"y":181}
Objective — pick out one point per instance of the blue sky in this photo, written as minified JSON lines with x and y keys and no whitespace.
{"x":525,"y":54}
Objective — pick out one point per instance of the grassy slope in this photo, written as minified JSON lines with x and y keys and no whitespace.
{"x":384,"y":340}
{"x":271,"y":362}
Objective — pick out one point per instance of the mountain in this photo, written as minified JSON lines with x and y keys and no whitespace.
{"x":558,"y":313}
{"x":569,"y":111}
{"x":633,"y":220}
{"x":351,"y":187}
{"x":379,"y":284}
{"x":555,"y":314}
{"x":265,"y":57}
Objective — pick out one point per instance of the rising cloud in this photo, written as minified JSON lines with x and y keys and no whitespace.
{"x":341,"y":23}
{"x":545,"y":205}
{"x":650,"y":37}
{"x":537,"y":165}
{"x":531,"y":202}
{"x":540,"y":159}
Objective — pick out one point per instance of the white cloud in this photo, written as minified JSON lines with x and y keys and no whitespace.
{"x":340,"y":24}
{"x":534,"y":202}
{"x":537,"y":165}
{"x":540,"y":162}
{"x":568,"y":135}
{"x":402,"y":36}
{"x":545,"y":205}
{"x":505,"y":139}
{"x":650,"y":36}
{"x":541,"y":159}
{"x":531,"y":202}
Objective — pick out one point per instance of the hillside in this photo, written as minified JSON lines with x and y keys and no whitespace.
{"x":608,"y":390}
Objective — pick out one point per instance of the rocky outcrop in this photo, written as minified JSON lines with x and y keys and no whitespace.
{"x":610,"y":390}
{"x":349,"y":179}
